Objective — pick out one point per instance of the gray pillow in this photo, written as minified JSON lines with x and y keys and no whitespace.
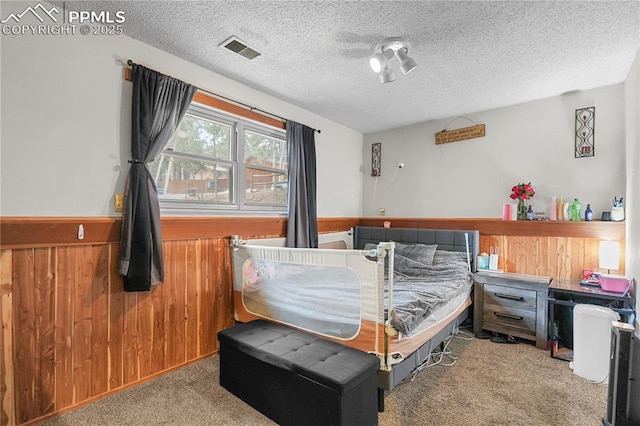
{"x":444,"y":256}
{"x":420,"y":253}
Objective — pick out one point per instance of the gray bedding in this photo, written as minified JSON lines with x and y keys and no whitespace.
{"x":323,"y":299}
{"x":420,"y":287}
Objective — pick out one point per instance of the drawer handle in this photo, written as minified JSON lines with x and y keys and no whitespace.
{"x":508,"y":296}
{"x":509,"y":316}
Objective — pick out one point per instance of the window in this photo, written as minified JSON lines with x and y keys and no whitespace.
{"x":219,"y":162}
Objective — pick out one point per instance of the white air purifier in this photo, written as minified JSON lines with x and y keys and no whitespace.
{"x":591,"y":341}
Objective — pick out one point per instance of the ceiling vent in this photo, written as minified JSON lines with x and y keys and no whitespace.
{"x":240,"y":47}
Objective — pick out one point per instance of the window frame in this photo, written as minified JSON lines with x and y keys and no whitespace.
{"x":237,"y":164}
{"x":263,"y":130}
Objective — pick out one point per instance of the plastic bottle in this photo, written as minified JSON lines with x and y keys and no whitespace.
{"x":530,"y":213}
{"x":588,"y":214}
{"x":559,"y":208}
{"x":575,"y":210}
{"x":566,"y":211}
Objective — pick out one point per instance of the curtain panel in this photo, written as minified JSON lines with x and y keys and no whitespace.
{"x":159,"y":102}
{"x":302,"y":220}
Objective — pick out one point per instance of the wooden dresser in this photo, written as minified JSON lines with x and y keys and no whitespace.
{"x":513,"y":304}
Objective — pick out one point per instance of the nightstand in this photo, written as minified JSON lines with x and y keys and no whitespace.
{"x":513,"y":304}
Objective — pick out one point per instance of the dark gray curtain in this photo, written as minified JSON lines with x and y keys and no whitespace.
{"x":159,"y":103}
{"x":302,"y":222}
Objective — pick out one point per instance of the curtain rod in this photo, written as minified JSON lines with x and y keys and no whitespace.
{"x":249,"y":107}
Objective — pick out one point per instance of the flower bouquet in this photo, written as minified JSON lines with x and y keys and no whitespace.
{"x":522,"y":192}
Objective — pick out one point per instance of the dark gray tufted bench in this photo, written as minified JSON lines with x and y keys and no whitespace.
{"x":295,"y":378}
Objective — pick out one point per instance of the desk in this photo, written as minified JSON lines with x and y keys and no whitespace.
{"x":564,"y":295}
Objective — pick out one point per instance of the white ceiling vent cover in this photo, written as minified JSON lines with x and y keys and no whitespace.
{"x":240,"y":47}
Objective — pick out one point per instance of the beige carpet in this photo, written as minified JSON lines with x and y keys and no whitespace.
{"x":490,"y":384}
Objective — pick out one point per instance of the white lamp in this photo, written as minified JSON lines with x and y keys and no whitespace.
{"x":407,"y":64}
{"x":388,"y":50}
{"x":380,"y":60}
{"x":387,"y":75}
{"x":609,"y":255}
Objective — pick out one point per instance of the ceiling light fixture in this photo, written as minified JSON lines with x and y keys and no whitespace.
{"x":394,"y":47}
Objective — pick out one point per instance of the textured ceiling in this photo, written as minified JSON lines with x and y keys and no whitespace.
{"x":472,"y":56}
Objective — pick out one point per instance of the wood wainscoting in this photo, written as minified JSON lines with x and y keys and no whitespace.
{"x":77,"y":335}
{"x":71,"y":335}
{"x":554,"y":249}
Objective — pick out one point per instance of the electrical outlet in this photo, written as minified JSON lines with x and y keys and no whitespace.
{"x":118,"y":202}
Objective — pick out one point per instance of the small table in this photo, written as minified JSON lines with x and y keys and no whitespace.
{"x":513,"y":304}
{"x":565,"y":294}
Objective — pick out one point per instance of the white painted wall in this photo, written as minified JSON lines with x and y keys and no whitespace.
{"x":632,"y":125}
{"x":533,"y":142}
{"x":66,"y":125}
{"x":632,"y":109}
{"x":632,"y":205}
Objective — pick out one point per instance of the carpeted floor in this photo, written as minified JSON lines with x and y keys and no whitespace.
{"x":490,"y":384}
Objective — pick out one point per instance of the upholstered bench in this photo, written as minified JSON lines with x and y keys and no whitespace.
{"x":295,"y":378}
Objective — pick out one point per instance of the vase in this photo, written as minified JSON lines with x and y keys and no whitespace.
{"x":617,"y":214}
{"x":522,"y":210}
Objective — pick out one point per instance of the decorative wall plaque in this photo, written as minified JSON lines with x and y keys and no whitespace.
{"x":376,"y":158}
{"x":585,"y":141}
{"x":447,"y":136}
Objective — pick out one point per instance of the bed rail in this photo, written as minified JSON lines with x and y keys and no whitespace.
{"x":338,"y":294}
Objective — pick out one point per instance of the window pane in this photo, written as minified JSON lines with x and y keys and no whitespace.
{"x":202,"y":137}
{"x":219,"y":162}
{"x":181,"y":179}
{"x":265,"y":188}
{"x":265,"y":151}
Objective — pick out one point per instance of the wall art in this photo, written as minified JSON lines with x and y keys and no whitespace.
{"x":585,"y":141}
{"x":376,"y":159}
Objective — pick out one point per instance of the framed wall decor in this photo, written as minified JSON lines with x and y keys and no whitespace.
{"x":376,"y":158}
{"x":585,"y":141}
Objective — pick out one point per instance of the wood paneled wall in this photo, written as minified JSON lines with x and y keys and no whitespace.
{"x":71,"y":335}
{"x":549,"y":248}
{"x":555,"y":257}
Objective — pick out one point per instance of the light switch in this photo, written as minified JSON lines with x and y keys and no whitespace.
{"x":118,"y":202}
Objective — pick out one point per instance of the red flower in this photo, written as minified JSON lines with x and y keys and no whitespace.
{"x":522,"y":191}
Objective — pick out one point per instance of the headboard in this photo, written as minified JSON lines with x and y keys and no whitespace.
{"x":446,"y":239}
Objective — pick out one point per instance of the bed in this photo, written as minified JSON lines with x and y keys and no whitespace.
{"x":344,"y":293}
